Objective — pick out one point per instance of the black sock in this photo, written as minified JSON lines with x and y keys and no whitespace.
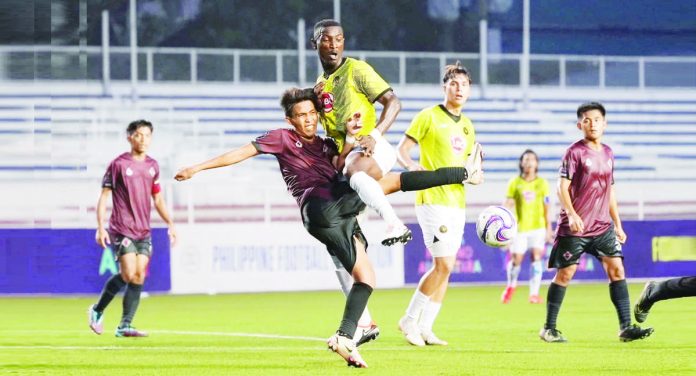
{"x":419,"y":180}
{"x":111,"y":288}
{"x":131,"y":300}
{"x":554,"y":299}
{"x":618,"y":291}
{"x":355,"y":305}
{"x":673,"y":288}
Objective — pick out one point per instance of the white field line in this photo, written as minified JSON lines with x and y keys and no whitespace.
{"x":187,"y":333}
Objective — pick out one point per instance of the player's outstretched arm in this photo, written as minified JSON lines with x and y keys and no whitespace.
{"x":231,"y":157}
{"x":102,"y":236}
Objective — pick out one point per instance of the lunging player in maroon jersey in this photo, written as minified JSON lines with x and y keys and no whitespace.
{"x":133,"y":179}
{"x":589,"y":222}
{"x":309,"y":165}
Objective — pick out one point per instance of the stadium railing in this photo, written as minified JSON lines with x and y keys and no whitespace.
{"x":158,"y":64}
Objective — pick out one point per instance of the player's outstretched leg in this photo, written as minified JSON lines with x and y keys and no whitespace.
{"x":642,"y":308}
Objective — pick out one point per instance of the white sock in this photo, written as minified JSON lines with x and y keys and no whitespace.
{"x":513,"y":272}
{"x":535,"y":272}
{"x":346,"y":281}
{"x":371,"y":194}
{"x":415,"y":307}
{"x":427,"y":319}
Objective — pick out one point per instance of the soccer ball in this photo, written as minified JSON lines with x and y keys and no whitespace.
{"x":496,"y":226}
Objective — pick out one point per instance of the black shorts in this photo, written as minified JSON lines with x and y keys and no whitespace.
{"x":334,"y":223}
{"x":123,"y":244}
{"x":567,"y":250}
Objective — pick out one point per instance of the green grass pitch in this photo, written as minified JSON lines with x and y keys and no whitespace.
{"x":284,"y":334}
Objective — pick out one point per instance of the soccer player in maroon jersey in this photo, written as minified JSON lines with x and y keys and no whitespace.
{"x":589,"y":222}
{"x":309,"y":165}
{"x":133,"y":178}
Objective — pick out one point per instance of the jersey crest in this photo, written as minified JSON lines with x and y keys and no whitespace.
{"x":327,"y":102}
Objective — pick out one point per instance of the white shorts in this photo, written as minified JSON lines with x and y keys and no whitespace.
{"x":384,"y":154}
{"x":528,"y":240}
{"x":444,"y":223}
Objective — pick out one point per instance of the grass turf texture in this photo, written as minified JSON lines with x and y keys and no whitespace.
{"x":201,"y":335}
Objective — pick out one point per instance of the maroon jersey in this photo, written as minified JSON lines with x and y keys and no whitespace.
{"x":591,"y":175}
{"x":132,"y":184}
{"x":306,"y":166}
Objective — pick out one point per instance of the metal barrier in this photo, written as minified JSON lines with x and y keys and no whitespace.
{"x":162,"y":64}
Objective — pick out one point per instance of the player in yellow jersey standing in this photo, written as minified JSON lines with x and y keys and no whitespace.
{"x":528,"y":197}
{"x":346,"y":87}
{"x":446,"y":137}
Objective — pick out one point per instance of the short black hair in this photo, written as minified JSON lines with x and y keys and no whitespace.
{"x":528,"y":151}
{"x":454,"y":69}
{"x":295,"y":95}
{"x":134,"y":125}
{"x":589,"y":106}
{"x":319,"y":27}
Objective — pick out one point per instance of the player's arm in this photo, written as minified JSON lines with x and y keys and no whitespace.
{"x":353,"y":126}
{"x":574,"y":220}
{"x":102,"y":236}
{"x":161,"y":208}
{"x":547,"y":219}
{"x":614,"y":213}
{"x":404,"y":154}
{"x":392,"y":107}
{"x":231,"y":157}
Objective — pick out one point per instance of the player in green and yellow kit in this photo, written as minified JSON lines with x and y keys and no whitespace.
{"x":446,"y":138}
{"x":528,"y":197}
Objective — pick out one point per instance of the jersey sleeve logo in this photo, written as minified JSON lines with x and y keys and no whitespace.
{"x":327,"y":101}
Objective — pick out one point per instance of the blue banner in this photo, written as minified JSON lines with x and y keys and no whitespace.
{"x":477,"y":262}
{"x":69,"y":261}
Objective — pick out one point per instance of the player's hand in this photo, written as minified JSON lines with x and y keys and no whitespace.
{"x":354,"y":124}
{"x":319,"y":88}
{"x":620,"y":234}
{"x":171,"y":231}
{"x":185,"y":174}
{"x":102,"y":237}
{"x":367,"y":143}
{"x":575,"y":223}
{"x":415,"y":167}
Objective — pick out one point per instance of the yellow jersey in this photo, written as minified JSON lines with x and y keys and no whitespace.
{"x":351,"y":88}
{"x":445,"y":140}
{"x":530,"y":198}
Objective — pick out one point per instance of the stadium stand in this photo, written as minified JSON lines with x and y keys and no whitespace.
{"x":57,"y":141}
